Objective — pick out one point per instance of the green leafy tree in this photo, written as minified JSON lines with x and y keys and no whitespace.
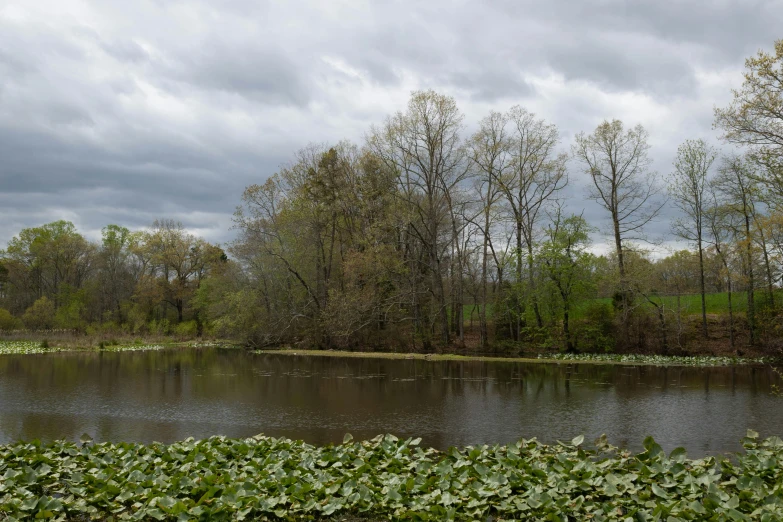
{"x":568,"y":265}
{"x":40,"y":315}
{"x":181,"y":261}
{"x":754,"y":118}
{"x":42,"y":259}
{"x":8,"y":322}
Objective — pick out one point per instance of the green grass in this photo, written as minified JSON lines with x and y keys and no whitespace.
{"x":263,"y":478}
{"x":717,"y":304}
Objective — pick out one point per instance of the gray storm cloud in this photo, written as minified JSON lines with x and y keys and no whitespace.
{"x":122,"y":112}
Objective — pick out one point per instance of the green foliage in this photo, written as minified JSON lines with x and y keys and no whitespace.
{"x":569,"y":266}
{"x":136,"y":318}
{"x":72,"y":306}
{"x":267,"y":478}
{"x":8,"y":322}
{"x":161,"y":327}
{"x":40,"y":316}
{"x":595,"y":330}
{"x":186,"y":329}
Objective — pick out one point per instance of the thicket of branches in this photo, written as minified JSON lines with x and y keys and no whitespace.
{"x":423,"y":236}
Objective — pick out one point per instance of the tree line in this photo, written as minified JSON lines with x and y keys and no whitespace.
{"x":51,"y":277}
{"x":423,"y":236}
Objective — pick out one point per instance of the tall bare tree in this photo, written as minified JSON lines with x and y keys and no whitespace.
{"x":722,"y":226}
{"x":688,"y":183}
{"x":423,"y":146}
{"x":738,"y":191}
{"x":537,"y":173}
{"x":488,"y":150}
{"x":616,"y":160}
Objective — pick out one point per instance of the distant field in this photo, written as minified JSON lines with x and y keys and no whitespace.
{"x":717,"y":303}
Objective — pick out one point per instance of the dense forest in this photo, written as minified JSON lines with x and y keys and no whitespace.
{"x":424,"y":237}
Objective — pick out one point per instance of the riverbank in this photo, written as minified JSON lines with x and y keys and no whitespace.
{"x":138,"y":344}
{"x":553,"y":358}
{"x":386,"y":478}
{"x":44,"y":346}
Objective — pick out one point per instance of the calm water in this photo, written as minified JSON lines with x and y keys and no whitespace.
{"x":173,"y":394}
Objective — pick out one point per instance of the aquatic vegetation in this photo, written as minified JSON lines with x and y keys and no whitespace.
{"x":270,"y":479}
{"x":212,"y":344}
{"x":32,"y":347}
{"x":132,"y":347}
{"x":22,"y":347}
{"x":663,"y":360}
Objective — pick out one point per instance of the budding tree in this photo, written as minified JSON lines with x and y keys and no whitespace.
{"x":616,"y":160}
{"x":755,"y":116}
{"x":688,"y":184}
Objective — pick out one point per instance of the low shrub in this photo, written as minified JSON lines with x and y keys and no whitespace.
{"x":8,"y":322}
{"x":188,"y":329}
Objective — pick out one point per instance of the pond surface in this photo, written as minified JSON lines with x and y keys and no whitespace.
{"x":169,"y":395}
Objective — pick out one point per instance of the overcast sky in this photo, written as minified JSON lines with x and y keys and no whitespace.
{"x":126,"y":111}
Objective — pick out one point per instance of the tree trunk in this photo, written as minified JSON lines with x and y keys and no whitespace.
{"x":625,"y":305}
{"x":767,"y":266}
{"x":702,"y":287}
{"x":517,"y":334}
{"x":751,"y":283}
{"x":731,"y":316}
{"x":532,"y":284}
{"x":483,"y":310}
{"x":440,"y":297}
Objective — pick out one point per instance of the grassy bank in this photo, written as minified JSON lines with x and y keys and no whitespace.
{"x":37,"y":347}
{"x":385,"y":478}
{"x":629,"y":359}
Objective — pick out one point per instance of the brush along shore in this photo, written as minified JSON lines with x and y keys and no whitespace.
{"x":585,"y":358}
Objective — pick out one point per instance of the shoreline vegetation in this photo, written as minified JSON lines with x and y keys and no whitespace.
{"x":264,"y":478}
{"x":550,"y":358}
{"x":43,"y":346}
{"x":426,"y":238}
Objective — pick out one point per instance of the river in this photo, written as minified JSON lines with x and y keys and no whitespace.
{"x":172,"y":394}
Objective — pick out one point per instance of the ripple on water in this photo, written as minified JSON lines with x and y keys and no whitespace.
{"x":169,"y":395}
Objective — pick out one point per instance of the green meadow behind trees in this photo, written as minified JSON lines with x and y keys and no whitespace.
{"x":424,"y":237}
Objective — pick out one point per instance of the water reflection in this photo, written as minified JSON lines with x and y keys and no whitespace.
{"x":169,"y":395}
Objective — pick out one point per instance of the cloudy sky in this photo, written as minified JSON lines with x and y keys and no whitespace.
{"x":122,"y":112}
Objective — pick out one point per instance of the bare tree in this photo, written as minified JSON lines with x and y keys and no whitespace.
{"x":537,"y":173}
{"x":721,"y":227}
{"x":488,"y":150}
{"x":617,"y":162}
{"x":423,"y":146}
{"x":688,"y":183}
{"x":737,"y":188}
